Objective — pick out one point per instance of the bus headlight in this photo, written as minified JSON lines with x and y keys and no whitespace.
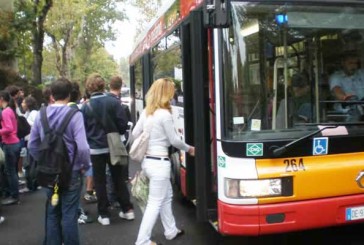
{"x":235,"y":188}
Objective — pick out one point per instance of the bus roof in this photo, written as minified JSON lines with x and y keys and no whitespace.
{"x":172,"y":13}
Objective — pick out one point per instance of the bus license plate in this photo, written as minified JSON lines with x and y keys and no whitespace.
{"x":355,"y":213}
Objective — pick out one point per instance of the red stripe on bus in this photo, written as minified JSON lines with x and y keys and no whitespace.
{"x":251,"y":219}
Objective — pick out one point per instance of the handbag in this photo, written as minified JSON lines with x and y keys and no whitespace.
{"x":23,"y":127}
{"x":140,"y":187}
{"x":139,"y":146}
{"x":117,"y":150}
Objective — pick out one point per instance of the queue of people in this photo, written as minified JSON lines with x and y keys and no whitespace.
{"x":86,"y":142}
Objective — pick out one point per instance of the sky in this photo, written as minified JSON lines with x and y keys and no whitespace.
{"x":125,"y":33}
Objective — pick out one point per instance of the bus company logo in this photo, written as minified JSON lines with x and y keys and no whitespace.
{"x":320,"y":146}
{"x":254,"y":149}
{"x":221,"y":162}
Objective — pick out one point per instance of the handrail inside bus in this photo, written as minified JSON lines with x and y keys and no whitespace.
{"x":275,"y":90}
{"x":346,"y":102}
{"x":331,"y":123}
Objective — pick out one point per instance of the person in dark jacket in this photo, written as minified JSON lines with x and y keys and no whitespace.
{"x":103,"y":115}
{"x":115,"y":85}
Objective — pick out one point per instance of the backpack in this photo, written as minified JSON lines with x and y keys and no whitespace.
{"x":23,"y":127}
{"x":139,"y":146}
{"x":53,"y":166}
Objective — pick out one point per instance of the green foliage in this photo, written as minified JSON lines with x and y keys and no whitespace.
{"x":80,"y":29}
{"x":148,"y":10}
{"x":165,"y":62}
{"x":101,"y":62}
{"x":7,"y":49}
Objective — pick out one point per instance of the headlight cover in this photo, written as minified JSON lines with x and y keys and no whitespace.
{"x":237,"y":188}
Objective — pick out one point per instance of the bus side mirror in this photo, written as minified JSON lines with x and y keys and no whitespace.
{"x":216,"y":13}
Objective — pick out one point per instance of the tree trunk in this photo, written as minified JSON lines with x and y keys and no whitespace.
{"x":38,"y":38}
{"x":37,"y":58}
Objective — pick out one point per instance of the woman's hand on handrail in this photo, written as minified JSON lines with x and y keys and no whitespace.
{"x":191,"y":151}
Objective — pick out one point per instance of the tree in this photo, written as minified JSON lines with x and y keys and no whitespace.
{"x":32,"y":14}
{"x":103,"y":63}
{"x":97,"y":28}
{"x":78,"y":29}
{"x":63,"y":25}
{"x":40,"y":11}
{"x":7,"y":52}
{"x":22,"y":28}
{"x":148,"y":10}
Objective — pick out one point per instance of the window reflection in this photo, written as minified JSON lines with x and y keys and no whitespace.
{"x":167,"y":63}
{"x":267,"y":47}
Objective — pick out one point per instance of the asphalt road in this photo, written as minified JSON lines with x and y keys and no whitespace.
{"x":24,"y":225}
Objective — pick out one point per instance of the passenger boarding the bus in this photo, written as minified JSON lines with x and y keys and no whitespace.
{"x":299,"y":105}
{"x":348,"y":84}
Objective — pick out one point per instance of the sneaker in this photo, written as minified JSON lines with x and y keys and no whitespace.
{"x":9,"y":201}
{"x":103,"y":221}
{"x":24,"y":190}
{"x":179,"y":233}
{"x":90,"y":198}
{"x":84,"y":219}
{"x":22,"y":182}
{"x":128,"y":215}
{"x":2,"y":219}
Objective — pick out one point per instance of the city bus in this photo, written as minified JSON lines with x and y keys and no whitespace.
{"x":263,"y":164}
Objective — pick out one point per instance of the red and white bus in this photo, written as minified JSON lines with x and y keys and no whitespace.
{"x":243,"y":69}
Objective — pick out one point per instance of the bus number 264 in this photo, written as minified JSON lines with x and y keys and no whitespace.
{"x":294,"y":165}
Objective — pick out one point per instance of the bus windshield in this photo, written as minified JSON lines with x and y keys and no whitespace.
{"x":291,"y":66}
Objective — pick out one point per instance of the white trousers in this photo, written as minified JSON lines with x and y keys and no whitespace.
{"x":159,"y":201}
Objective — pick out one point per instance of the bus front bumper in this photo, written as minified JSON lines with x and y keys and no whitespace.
{"x":254,"y":220}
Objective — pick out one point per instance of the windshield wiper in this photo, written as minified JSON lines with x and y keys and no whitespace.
{"x":280,"y":150}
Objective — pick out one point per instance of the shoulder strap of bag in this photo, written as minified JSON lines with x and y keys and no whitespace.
{"x":62,"y":127}
{"x":98,"y":118}
{"x":43,"y":119}
{"x":66,"y":120}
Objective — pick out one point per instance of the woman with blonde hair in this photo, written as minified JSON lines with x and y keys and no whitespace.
{"x":156,"y":163}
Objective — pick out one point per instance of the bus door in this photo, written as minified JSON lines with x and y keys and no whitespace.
{"x":140,"y":77}
{"x":197,"y":115}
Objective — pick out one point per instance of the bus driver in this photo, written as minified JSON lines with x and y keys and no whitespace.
{"x":348,"y":82}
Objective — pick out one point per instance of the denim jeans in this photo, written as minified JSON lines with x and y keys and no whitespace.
{"x":110,"y":189}
{"x":159,"y":200}
{"x":121,"y":190}
{"x":61,"y":224}
{"x":11,"y":184}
